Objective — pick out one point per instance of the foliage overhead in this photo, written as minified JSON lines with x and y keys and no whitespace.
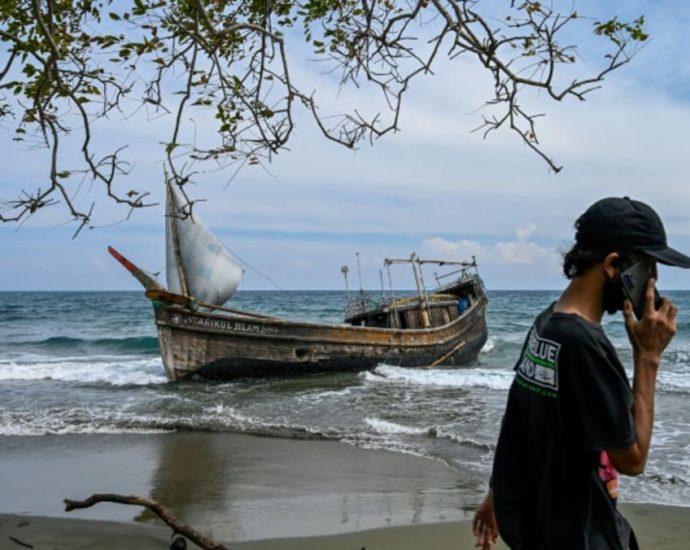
{"x":65,"y":64}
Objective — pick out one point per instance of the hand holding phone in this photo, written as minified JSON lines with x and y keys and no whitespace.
{"x":635,"y":279}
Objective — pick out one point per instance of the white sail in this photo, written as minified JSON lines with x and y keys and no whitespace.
{"x":197,"y":264}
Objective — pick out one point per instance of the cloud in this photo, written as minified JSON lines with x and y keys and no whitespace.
{"x":520,"y":253}
{"x":502,"y":252}
{"x":491,"y":198}
{"x":445,"y":249}
{"x":525,"y":232}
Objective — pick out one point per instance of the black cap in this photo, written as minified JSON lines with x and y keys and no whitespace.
{"x":625,"y":224}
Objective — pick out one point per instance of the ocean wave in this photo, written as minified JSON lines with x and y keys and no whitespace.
{"x":75,"y":420}
{"x":320,"y":396}
{"x":222,"y":418}
{"x":388,"y":427}
{"x":674,"y":381}
{"x":82,"y":420}
{"x":456,"y":378}
{"x":32,"y":431}
{"x":677,"y":357}
{"x":132,"y":344}
{"x":117,"y":373}
{"x":488,"y":346}
{"x":466,"y":441}
{"x":385,"y":445}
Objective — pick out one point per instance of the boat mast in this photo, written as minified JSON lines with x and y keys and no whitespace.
{"x":422,"y":310}
{"x":387,"y":263}
{"x":173,"y":214}
{"x":423,"y":286}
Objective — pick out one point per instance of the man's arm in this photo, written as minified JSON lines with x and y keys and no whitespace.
{"x":649,"y":337}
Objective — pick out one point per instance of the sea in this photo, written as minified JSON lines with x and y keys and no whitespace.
{"x":89,"y":363}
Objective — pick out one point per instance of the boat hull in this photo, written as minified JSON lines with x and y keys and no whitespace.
{"x":218,"y":346}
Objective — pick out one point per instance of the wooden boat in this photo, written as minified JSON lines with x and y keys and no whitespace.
{"x":204,"y":338}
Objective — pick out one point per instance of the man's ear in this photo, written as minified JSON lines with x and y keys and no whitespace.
{"x":611,"y":265}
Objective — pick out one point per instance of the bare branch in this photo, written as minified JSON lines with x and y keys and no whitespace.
{"x":67,"y":68}
{"x":170,"y":520}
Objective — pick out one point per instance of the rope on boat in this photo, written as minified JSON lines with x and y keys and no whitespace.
{"x":252,"y":268}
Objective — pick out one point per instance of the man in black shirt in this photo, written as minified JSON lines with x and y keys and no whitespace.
{"x":572,"y":420}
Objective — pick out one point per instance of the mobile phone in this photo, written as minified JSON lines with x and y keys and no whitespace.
{"x":634,"y":281}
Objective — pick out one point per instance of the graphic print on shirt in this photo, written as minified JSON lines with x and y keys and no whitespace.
{"x":538,"y":367}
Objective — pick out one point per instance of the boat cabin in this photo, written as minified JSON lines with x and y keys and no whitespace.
{"x":425,"y":310}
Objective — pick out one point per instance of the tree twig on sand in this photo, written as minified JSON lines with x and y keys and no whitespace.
{"x":20,"y":542}
{"x":169,"y":519}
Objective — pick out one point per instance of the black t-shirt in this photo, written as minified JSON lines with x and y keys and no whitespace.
{"x":569,"y":401}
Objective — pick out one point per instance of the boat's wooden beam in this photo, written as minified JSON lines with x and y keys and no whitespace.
{"x":390,"y":261}
{"x":148,"y":282}
{"x":160,"y":295}
{"x":447,"y":355}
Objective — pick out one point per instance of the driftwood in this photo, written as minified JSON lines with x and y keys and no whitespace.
{"x":20,"y":542}
{"x":169,"y":519}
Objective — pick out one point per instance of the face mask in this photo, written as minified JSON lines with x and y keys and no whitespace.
{"x":613,"y":295}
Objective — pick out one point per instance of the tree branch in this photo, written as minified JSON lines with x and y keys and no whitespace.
{"x":168,"y":518}
{"x":65,"y":57}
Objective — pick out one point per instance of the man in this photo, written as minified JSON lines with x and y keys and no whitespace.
{"x":572,"y":420}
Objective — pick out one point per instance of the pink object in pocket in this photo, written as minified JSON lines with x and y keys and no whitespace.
{"x":608,"y":474}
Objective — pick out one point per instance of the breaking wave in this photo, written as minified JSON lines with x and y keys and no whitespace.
{"x":115,"y":371}
{"x":138,"y":344}
{"x":387,"y":427}
{"x":457,"y":378}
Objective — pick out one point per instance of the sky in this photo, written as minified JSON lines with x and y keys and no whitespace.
{"x":434,"y":188}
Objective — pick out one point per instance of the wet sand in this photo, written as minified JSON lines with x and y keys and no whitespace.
{"x":658,"y":527}
{"x":63,"y":534}
{"x":239,"y":487}
{"x":251,"y":493}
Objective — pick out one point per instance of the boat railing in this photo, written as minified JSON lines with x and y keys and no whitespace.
{"x":466,"y":271}
{"x":465,"y":277}
{"x":361,"y":304}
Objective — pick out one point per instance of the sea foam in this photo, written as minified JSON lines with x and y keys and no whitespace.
{"x":456,"y":378}
{"x":387,"y":427}
{"x":115,"y":371}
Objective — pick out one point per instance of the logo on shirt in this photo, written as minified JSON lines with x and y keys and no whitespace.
{"x":539,"y":363}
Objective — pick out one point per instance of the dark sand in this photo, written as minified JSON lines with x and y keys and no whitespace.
{"x":250,"y":493}
{"x":240,"y":487}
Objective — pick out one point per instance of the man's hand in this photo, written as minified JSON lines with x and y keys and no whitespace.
{"x":484,"y":523}
{"x":650,"y":335}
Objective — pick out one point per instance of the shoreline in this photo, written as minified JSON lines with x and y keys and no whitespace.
{"x":237,"y":486}
{"x":253,"y":493}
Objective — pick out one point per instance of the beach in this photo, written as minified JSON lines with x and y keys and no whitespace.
{"x":250,"y":492}
{"x":394,"y":457}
